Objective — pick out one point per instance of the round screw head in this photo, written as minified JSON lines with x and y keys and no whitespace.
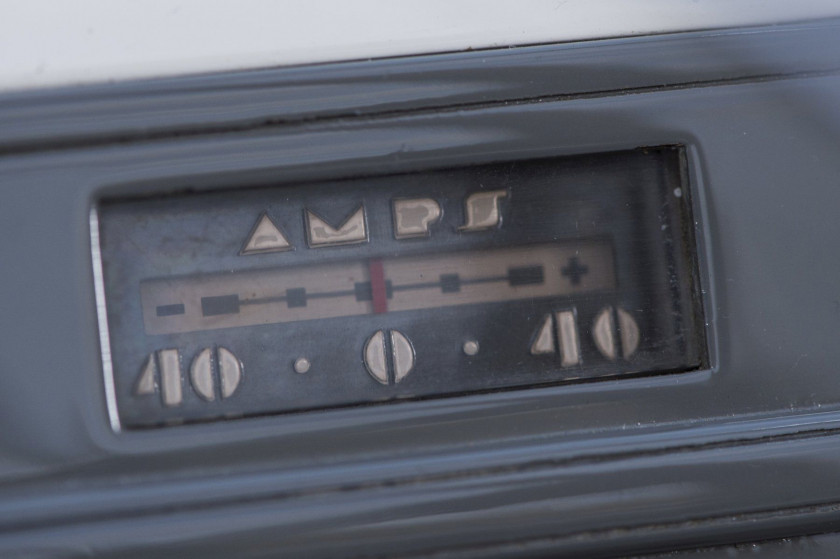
{"x":302,"y":365}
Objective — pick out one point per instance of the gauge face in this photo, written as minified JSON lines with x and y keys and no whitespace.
{"x":281,"y":298}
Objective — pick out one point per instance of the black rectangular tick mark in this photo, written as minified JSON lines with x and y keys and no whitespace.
{"x":170,"y":310}
{"x":526,"y":275}
{"x":296,"y":297}
{"x":223,"y":304}
{"x":364,"y":292}
{"x":450,"y":283}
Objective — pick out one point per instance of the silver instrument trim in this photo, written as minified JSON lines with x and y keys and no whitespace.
{"x":102,"y":321}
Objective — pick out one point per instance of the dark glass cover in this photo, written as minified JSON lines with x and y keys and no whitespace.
{"x":291,"y":297}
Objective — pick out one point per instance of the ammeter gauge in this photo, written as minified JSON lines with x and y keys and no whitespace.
{"x":292,"y":297}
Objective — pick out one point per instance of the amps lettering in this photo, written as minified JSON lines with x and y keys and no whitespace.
{"x":411,"y":218}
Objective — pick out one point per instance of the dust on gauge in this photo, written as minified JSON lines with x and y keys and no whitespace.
{"x":299,"y":297}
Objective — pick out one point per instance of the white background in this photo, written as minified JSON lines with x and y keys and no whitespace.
{"x":65,"y":42}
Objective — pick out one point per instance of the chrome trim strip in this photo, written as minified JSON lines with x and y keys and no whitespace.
{"x":102,"y":320}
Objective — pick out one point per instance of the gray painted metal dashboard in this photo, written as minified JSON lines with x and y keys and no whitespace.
{"x":743,"y":450}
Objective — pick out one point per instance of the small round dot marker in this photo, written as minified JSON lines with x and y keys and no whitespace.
{"x":471,"y":347}
{"x":302,"y":365}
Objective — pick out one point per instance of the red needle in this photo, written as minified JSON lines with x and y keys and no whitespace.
{"x":377,"y":287}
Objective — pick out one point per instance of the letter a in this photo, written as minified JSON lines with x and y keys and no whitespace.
{"x":265,"y":237}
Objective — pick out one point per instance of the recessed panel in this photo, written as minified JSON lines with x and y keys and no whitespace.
{"x":289,"y":297}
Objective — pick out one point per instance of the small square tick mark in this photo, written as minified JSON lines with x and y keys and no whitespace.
{"x":450,"y":283}
{"x":296,"y":297}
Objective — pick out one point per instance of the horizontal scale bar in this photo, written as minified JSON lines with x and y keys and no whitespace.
{"x":363,"y":287}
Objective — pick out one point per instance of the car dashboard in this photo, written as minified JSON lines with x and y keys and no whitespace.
{"x":573,"y":299}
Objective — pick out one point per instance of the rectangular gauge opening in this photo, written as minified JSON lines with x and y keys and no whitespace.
{"x":291,"y":297}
